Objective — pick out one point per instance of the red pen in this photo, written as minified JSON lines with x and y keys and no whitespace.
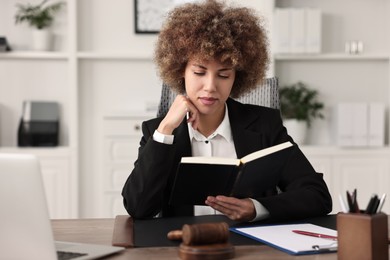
{"x":307,"y":233}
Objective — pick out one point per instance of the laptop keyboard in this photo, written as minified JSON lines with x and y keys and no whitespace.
{"x":68,"y":255}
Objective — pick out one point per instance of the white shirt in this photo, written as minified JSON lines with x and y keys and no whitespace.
{"x":218,"y":144}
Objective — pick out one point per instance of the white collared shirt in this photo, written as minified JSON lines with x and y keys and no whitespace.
{"x":218,"y":144}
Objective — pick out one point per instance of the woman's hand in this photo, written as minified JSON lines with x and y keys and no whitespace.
{"x":233,"y":208}
{"x":178,"y":110}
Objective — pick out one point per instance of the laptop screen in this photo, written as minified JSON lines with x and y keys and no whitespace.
{"x":24,"y":219}
{"x":25,"y":228}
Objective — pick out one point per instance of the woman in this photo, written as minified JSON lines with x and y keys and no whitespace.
{"x":210,"y":52}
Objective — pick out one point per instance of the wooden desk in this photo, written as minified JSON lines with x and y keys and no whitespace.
{"x":99,"y":231}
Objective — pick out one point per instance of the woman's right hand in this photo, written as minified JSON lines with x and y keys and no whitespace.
{"x":178,"y":110}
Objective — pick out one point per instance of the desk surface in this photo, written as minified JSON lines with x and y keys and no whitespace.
{"x":99,"y":231}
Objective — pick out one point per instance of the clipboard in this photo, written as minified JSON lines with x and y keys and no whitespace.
{"x":283,"y":238}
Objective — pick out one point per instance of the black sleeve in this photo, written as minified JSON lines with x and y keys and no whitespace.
{"x":143,"y":192}
{"x":304,"y":192}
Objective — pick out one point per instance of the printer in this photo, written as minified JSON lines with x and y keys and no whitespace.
{"x":39,"y":125}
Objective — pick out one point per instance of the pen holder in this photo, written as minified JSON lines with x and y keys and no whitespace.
{"x":362,"y":236}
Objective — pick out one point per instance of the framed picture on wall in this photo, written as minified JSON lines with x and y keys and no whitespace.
{"x":149,"y":14}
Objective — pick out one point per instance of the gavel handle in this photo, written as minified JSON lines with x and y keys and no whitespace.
{"x":175,"y":235}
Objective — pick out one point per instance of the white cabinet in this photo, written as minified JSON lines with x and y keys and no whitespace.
{"x":349,"y":169}
{"x":121,"y":138}
{"x":55,"y":173}
{"x":55,"y":165}
{"x":367,"y":173}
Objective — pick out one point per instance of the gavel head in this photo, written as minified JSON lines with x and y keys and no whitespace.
{"x":205,"y":233}
{"x":204,"y":241}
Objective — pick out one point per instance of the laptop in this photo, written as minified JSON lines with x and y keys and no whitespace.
{"x":25,"y":228}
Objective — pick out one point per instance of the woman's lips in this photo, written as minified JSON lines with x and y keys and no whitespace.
{"x":207,"y":101}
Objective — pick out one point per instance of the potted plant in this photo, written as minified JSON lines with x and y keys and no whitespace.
{"x":299,"y":107}
{"x":40,"y":17}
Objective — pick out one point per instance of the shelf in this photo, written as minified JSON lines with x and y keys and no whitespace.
{"x":115,"y":55}
{"x":58,"y":151}
{"x":148,"y":56}
{"x":123,"y":114}
{"x":332,"y":57}
{"x":337,"y":150}
{"x":34,"y":55}
{"x":80,"y":55}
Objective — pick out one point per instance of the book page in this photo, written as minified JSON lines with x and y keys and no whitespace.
{"x":211,"y":160}
{"x":282,"y":237}
{"x":266,"y":151}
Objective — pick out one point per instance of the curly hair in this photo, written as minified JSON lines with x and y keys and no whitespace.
{"x":212,"y":30}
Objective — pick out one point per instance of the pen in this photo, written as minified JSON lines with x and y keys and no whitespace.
{"x":350,"y":201}
{"x":312,"y":234}
{"x":344,"y":207}
{"x":371,"y":207}
{"x":381,"y":202}
{"x":354,"y":202}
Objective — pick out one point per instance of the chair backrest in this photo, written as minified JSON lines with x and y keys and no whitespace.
{"x":266,"y":94}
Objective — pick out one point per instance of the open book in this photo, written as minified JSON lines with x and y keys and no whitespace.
{"x":248,"y":177}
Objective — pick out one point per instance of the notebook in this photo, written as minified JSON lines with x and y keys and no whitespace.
{"x":24,"y":220}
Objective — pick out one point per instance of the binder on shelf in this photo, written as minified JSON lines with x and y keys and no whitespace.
{"x":298,"y":30}
{"x":344,"y":124}
{"x":376,"y":125}
{"x":313,"y":30}
{"x":298,"y":34}
{"x":360,"y":124}
{"x":282,"y":30}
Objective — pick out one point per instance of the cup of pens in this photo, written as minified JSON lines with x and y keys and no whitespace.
{"x":362,"y":233}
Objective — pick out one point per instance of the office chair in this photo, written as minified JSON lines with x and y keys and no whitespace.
{"x":266,"y":94}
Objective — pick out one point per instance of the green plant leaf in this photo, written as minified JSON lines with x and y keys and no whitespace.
{"x":38,"y":16}
{"x":299,"y":102}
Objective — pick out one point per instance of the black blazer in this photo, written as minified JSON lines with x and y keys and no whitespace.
{"x":147,"y":189}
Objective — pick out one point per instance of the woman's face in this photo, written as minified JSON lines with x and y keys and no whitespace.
{"x":208,"y":85}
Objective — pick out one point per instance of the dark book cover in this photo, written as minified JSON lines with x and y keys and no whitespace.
{"x":250,"y":176}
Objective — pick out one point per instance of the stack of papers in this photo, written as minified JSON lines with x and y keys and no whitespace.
{"x":283,"y":238}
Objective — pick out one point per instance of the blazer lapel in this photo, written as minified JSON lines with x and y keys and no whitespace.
{"x":245,"y":140}
{"x":182,"y":140}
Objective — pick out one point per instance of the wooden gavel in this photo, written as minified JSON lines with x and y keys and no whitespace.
{"x":200,"y":234}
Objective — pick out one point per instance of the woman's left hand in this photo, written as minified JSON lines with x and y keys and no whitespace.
{"x":233,"y":208}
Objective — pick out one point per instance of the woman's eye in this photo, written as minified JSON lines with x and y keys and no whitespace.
{"x":199,"y":73}
{"x":224,"y":76}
